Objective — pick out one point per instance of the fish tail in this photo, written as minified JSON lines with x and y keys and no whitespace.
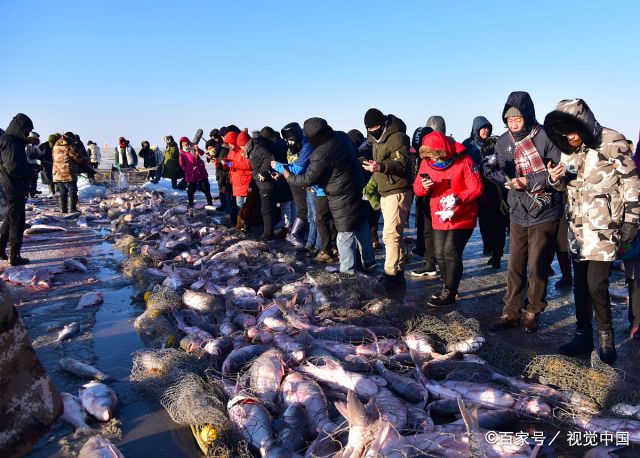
{"x":353,"y":411}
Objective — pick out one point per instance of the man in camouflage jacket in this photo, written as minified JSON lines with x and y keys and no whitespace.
{"x":602,"y":184}
{"x":66,"y":160}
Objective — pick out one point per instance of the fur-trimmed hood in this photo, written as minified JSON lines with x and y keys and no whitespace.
{"x":573,"y":115}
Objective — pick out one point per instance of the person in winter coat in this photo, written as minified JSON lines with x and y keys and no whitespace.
{"x":47,"y":161}
{"x":602,"y":184}
{"x":171,"y":159}
{"x":493,"y":211}
{"x":284,"y":197}
{"x":125,"y":156}
{"x":218,"y":157}
{"x":535,"y":209}
{"x":335,"y":167}
{"x":33,"y":156}
{"x":195,"y":173}
{"x":239,"y":172}
{"x":67,"y":158}
{"x":159,"y":161}
{"x":95,"y":155}
{"x":149,"y":158}
{"x":454,"y":187}
{"x":393,"y":173}
{"x":481,"y":129}
{"x":424,"y":229}
{"x":260,"y":156}
{"x":14,"y":172}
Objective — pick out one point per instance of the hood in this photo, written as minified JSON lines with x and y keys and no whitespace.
{"x":356,"y":137}
{"x":243,"y":139}
{"x":258,"y":142}
{"x":437,"y":141}
{"x":183,"y":139}
{"x":317,"y":131}
{"x":268,"y":133}
{"x":478,"y":123}
{"x":573,"y":115}
{"x":437,"y":124}
{"x":394,"y":124}
{"x":522,"y":101}
{"x":20,"y":126}
{"x":231,"y":138}
{"x":53,"y":138}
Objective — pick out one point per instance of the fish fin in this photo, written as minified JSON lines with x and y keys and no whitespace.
{"x":470,"y":421}
{"x":354,"y":411}
{"x":420,"y":361}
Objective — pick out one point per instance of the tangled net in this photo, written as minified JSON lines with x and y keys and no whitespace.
{"x":154,"y":371}
{"x":504,"y":357}
{"x":450,"y":328}
{"x":124,"y":243}
{"x":601,"y":383}
{"x":135,"y":269}
{"x":162,"y":299}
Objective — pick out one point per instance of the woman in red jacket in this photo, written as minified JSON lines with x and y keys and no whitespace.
{"x":195,"y":173}
{"x":239,"y":171}
{"x":453,"y":187}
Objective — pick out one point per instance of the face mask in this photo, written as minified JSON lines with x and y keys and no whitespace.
{"x":376,"y":133}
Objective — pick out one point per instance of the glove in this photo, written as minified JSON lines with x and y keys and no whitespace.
{"x":628,"y":232}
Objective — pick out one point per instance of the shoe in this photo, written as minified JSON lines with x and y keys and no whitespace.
{"x":445,"y":299}
{"x":401,"y":282}
{"x":311,"y":251}
{"x":504,"y":322}
{"x":428,"y":270}
{"x":18,"y":261}
{"x":368,"y":268}
{"x":582,"y":344}
{"x":3,"y":255}
{"x":606,"y":347}
{"x":388,"y":281}
{"x":296,"y":230}
{"x":529,"y":322}
{"x":323,"y":256}
{"x":494,"y":263}
{"x":210,"y":208}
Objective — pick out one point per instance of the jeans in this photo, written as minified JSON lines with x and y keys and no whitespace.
{"x":449,"y":249}
{"x":530,"y":248}
{"x":289,"y":213}
{"x":203,"y":186}
{"x":347,"y":242}
{"x":313,"y":238}
{"x":591,"y":294}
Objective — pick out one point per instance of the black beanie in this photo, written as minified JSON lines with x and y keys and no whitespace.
{"x":268,"y":133}
{"x":209,"y":143}
{"x":374,"y":117}
{"x":214,"y":133}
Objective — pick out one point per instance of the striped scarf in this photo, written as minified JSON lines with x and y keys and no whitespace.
{"x":528,"y":161}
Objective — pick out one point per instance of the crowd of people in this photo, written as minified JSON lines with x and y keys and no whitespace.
{"x":567,"y":188}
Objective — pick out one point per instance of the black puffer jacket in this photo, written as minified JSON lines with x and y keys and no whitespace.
{"x":505,"y":168}
{"x":14,"y":168}
{"x":260,"y":157}
{"x":334,"y":167}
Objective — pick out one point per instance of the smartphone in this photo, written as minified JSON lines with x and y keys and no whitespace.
{"x":546,"y":161}
{"x":426,"y":176}
{"x":363,"y":159}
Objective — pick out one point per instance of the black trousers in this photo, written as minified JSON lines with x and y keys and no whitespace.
{"x":591,"y":294}
{"x":268,"y":208}
{"x":374,"y":218}
{"x":449,"y":247}
{"x":324,"y":223}
{"x":202,"y":186}
{"x":530,"y":248}
{"x":12,"y":229}
{"x":634,"y":302}
{"x":67,"y":195}
{"x":493,"y":229}
{"x":425,"y":243}
{"x":300,"y":198}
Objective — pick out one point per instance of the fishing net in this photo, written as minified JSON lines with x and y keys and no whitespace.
{"x":154,"y":371}
{"x":601,"y":383}
{"x":162,"y":299}
{"x":135,"y":269}
{"x":200,"y":404}
{"x":155,"y":329}
{"x":504,"y":357}
{"x":124,"y":243}
{"x":459,"y":370}
{"x":450,"y":328}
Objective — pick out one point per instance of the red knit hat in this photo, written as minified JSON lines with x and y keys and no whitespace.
{"x":231,"y":138}
{"x":243,"y":139}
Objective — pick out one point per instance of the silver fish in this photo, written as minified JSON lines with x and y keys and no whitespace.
{"x":265,"y":375}
{"x":252,"y":421}
{"x":68,"y":331}
{"x":90,"y":299}
{"x":73,"y":265}
{"x":199,"y":301}
{"x":297,"y":389}
{"x":73,"y":412}
{"x":241,"y":356}
{"x":98,"y":447}
{"x":335,"y":376}
{"x":82,"y":370}
{"x":99,"y":400}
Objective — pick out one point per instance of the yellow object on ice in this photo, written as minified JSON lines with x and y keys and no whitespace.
{"x":146,"y":296}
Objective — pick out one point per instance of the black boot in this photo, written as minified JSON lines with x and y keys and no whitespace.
{"x":64,"y":204}
{"x":3,"y":247}
{"x":565,"y":267}
{"x":294,"y":235}
{"x":582,"y":344}
{"x":444,"y":299}
{"x":73,"y":203}
{"x":15,"y":259}
{"x":606,"y":347}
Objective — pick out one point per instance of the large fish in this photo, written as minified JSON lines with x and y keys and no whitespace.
{"x":82,"y":370}
{"x":252,"y":421}
{"x":294,"y":425}
{"x":99,"y":447}
{"x":332,"y":374}
{"x":43,"y":229}
{"x":68,"y":331}
{"x":265,"y":375}
{"x":390,"y":408}
{"x":297,"y":389}
{"x":99,"y":400}
{"x":362,"y":426}
{"x":90,"y":299}
{"x":403,"y":386}
{"x":73,"y":412}
{"x":199,"y":301}
{"x":241,"y":356}
{"x":73,"y":265}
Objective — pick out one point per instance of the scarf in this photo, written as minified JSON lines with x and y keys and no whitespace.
{"x":442,"y":165}
{"x":527,"y":160}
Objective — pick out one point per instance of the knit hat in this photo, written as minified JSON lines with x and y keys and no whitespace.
{"x":374,"y":117}
{"x":512,"y":112}
{"x":209,"y":143}
{"x":243,"y":139}
{"x":214,"y":133}
{"x":231,"y":138}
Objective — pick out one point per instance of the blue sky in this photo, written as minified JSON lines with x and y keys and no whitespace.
{"x":144,"y":69}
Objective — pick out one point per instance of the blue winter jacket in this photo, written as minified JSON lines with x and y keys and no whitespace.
{"x":300,"y":166}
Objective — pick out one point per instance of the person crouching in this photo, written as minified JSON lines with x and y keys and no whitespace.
{"x":453,"y":187}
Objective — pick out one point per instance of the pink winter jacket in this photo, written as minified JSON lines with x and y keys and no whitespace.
{"x":193,"y":166}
